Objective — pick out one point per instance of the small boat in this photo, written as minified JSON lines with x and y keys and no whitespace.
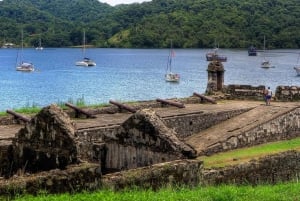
{"x":23,"y":66}
{"x":40,"y":45}
{"x":297,"y":66}
{"x":86,"y":61}
{"x":170,"y":76}
{"x":266,"y":63}
{"x":252,"y":51}
{"x":214,"y":56}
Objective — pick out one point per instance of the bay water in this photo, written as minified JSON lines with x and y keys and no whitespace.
{"x":129,"y":74}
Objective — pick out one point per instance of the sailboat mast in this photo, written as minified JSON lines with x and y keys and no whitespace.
{"x":22,"y":46}
{"x":83,"y":43}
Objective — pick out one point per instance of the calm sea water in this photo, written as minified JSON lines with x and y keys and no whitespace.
{"x":128,"y":74}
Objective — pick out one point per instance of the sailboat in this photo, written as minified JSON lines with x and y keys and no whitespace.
{"x":265,"y":63}
{"x":23,"y":66}
{"x":297,"y":66}
{"x":86,"y":61}
{"x":170,"y":76}
{"x":40,"y":45}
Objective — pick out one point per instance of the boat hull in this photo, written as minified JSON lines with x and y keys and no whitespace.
{"x":215,"y":57}
{"x":172,"y":77}
{"x":85,"y":63}
{"x":25,"y":67}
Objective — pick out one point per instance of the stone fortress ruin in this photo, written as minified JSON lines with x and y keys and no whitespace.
{"x":150,"y":143}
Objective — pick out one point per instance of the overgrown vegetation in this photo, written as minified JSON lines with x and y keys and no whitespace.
{"x":189,"y":23}
{"x":282,"y":192}
{"x":246,"y":154}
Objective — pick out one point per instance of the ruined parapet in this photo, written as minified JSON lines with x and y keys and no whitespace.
{"x":245,"y":92}
{"x":46,"y":142}
{"x":215,"y":81}
{"x":287,"y":93}
{"x":144,"y":140}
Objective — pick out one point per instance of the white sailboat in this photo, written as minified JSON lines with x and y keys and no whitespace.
{"x":86,"y":61}
{"x":40,"y":45}
{"x":265,"y":63}
{"x":23,"y":66}
{"x":297,"y":66}
{"x":170,"y":76}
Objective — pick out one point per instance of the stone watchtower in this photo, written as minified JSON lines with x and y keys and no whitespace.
{"x":215,"y":81}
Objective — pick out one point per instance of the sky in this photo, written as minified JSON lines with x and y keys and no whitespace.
{"x":115,"y":2}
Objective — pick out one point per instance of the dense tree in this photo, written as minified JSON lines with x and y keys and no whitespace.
{"x":188,"y":23}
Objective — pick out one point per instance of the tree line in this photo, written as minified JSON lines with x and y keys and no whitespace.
{"x":188,"y":23}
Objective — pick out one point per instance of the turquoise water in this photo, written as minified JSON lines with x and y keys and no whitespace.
{"x":128,"y":74}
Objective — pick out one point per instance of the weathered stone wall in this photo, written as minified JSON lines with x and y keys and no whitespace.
{"x":120,"y":155}
{"x":285,"y":126}
{"x":189,"y":124}
{"x":244,"y":92}
{"x":174,"y":173}
{"x":74,"y":178}
{"x":268,"y":170}
{"x":46,"y":142}
{"x":5,"y":158}
{"x":287,"y":93}
{"x":140,"y":141}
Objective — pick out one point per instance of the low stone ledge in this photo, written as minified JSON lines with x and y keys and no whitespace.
{"x":270,"y":169}
{"x":75,"y":178}
{"x":174,"y":173}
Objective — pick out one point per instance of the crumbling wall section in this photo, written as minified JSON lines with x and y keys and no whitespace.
{"x":46,"y":142}
{"x":287,"y":93}
{"x":285,"y":126}
{"x":244,"y":92}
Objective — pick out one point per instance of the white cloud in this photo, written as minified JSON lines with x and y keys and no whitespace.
{"x":116,"y":2}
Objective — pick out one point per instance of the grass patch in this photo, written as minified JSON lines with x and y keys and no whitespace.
{"x":283,"y":192}
{"x":242,"y":155}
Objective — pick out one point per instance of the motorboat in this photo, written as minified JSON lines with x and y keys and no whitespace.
{"x":252,"y":51}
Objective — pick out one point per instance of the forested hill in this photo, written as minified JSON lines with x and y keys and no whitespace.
{"x":188,"y":23}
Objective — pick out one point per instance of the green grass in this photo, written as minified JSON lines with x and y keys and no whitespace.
{"x":246,"y":154}
{"x":282,"y":192}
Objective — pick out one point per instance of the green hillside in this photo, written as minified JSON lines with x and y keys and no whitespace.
{"x":189,"y":23}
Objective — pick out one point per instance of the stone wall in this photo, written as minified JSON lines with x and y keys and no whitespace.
{"x":287,"y":93}
{"x":189,"y":124}
{"x":285,"y":126}
{"x":121,"y":154}
{"x":174,"y":173}
{"x":74,"y":178}
{"x":46,"y":142}
{"x":244,"y":92}
{"x":268,"y":170}
{"x":6,"y":158}
{"x":141,"y":140}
